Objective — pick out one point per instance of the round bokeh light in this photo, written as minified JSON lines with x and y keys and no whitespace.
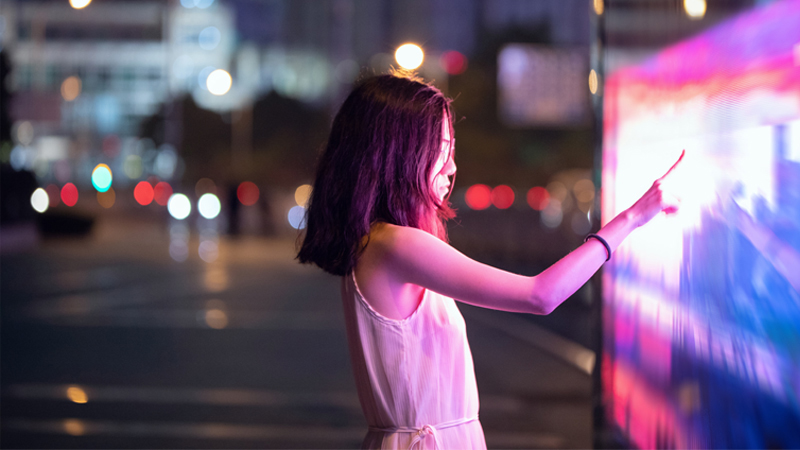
{"x":40,"y":200}
{"x":162,"y":192}
{"x":101,"y":177}
{"x":209,"y":206}
{"x":478,"y":196}
{"x":297,"y":217}
{"x":179,"y":206}
{"x":248,"y":193}
{"x":69,"y":194}
{"x":409,"y":56}
{"x":143,"y":193}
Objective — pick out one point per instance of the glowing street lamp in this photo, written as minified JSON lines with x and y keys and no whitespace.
{"x":409,"y":56}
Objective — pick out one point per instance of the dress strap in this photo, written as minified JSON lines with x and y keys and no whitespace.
{"x":427,"y":430}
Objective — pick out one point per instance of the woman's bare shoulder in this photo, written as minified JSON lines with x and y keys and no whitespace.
{"x":386,"y":239}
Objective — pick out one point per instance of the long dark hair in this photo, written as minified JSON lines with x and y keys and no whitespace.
{"x":375,"y":167}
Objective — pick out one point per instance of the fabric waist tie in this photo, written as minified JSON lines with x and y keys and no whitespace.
{"x":427,"y":430}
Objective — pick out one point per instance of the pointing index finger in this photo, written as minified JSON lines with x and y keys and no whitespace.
{"x":674,"y":165}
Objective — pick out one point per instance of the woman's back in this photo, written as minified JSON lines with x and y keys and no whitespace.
{"x":413,"y":374}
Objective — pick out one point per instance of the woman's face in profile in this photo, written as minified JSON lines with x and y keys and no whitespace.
{"x":445,"y":166}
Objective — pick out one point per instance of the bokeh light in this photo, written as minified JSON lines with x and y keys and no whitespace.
{"x":179,"y":242}
{"x":53,"y":194}
{"x":205,"y":186}
{"x":39,"y":200}
{"x":107,"y":198}
{"x":557,"y":190}
{"x":538,"y":198}
{"x":302,"y":194}
{"x":297,"y":217}
{"x":247,"y":193}
{"x":216,"y":278}
{"x":74,"y":427}
{"x":584,"y":193}
{"x":179,"y":206}
{"x":162,"y":193}
{"x":216,"y":318}
{"x":200,"y":4}
{"x":202,"y":76}
{"x":79,"y":4}
{"x":502,"y":197}
{"x":346,"y":71}
{"x":478,"y":196}
{"x":143,"y":193}
{"x":219,"y":82}
{"x":69,"y":194}
{"x":25,"y":133}
{"x":409,"y":56}
{"x":209,"y":38}
{"x":552,"y":214}
{"x":166,"y":162}
{"x":695,"y":9}
{"x":453,"y":62}
{"x":208,"y":250}
{"x":593,"y":83}
{"x":598,"y":7}
{"x":71,"y":88}
{"x":209,"y":206}
{"x":132,"y":166}
{"x":101,"y":177}
{"x":77,"y":395}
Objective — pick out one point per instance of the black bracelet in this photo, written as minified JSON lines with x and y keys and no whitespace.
{"x":602,"y":241}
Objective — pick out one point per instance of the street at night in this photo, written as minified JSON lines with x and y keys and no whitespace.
{"x":108,"y":342}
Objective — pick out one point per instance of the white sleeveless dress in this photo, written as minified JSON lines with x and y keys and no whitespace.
{"x":415,"y":377}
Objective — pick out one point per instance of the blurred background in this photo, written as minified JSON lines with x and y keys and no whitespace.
{"x":157,"y":157}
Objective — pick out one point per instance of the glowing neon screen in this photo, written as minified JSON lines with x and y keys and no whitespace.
{"x":701,"y":315}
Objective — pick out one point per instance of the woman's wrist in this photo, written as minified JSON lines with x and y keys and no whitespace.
{"x":615,"y":231}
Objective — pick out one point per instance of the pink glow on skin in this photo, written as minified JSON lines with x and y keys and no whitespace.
{"x":445,"y":166}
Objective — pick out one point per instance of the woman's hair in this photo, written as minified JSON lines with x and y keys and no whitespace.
{"x":376,"y":167}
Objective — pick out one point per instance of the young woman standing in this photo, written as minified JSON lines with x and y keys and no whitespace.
{"x":376,"y":218}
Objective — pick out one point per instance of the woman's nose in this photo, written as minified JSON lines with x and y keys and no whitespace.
{"x":450,"y":167}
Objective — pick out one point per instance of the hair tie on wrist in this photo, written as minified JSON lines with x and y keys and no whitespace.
{"x":602,"y":241}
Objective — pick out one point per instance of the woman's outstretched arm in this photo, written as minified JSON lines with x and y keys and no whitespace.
{"x":409,"y":255}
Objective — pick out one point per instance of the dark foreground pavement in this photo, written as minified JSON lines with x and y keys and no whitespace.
{"x":107,"y":342}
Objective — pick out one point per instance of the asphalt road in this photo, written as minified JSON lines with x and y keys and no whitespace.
{"x":109,"y":342}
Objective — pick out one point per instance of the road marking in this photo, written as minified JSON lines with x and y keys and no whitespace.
{"x":226,"y":397}
{"x":223,"y":397}
{"x":204,"y":430}
{"x":215,"y":430}
{"x":189,"y":318}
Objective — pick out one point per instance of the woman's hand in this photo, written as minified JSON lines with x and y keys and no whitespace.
{"x":655,"y":200}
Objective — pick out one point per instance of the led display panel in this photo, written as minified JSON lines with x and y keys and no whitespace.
{"x":701,"y":313}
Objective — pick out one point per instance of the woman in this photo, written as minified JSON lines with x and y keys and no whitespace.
{"x":376,"y":218}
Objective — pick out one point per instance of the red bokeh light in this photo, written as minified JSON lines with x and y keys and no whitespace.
{"x":69,"y":194}
{"x":53,"y":194}
{"x":502,"y":197}
{"x":453,"y":62}
{"x":144,"y":193}
{"x":538,"y":198}
{"x":162,"y":192}
{"x":478,"y":196}
{"x":247,"y":193}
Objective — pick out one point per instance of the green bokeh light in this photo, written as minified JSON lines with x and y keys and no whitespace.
{"x":101,"y":178}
